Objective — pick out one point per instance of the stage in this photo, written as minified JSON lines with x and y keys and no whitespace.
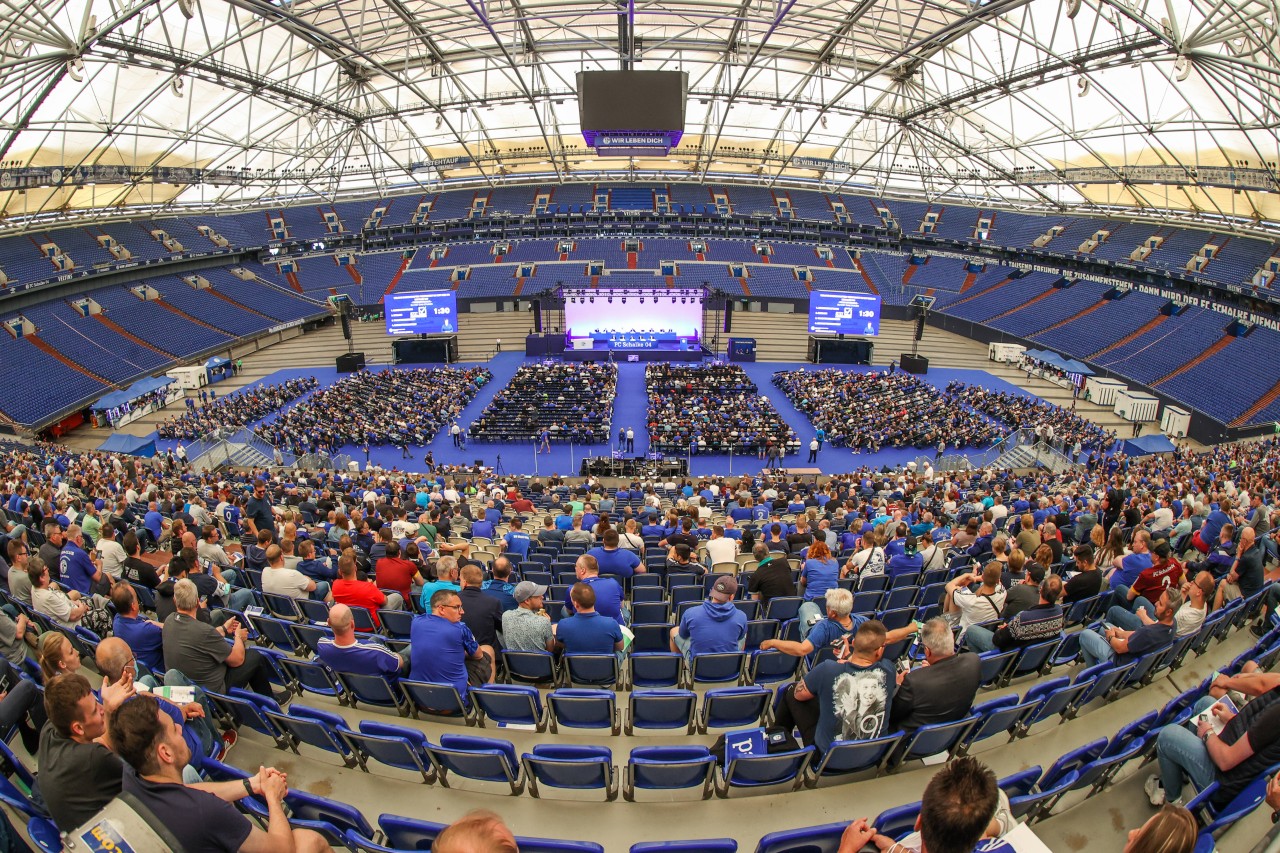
{"x":660,"y":351}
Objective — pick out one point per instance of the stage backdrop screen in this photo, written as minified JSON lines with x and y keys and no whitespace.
{"x":838,"y":312}
{"x":582,"y":316}
{"x":421,"y":312}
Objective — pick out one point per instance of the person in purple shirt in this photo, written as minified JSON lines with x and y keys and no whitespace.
{"x":442,"y":649}
{"x":344,"y":653}
{"x":608,"y":591}
{"x":612,"y":560}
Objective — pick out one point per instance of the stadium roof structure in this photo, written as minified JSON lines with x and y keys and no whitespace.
{"x":1155,"y":107}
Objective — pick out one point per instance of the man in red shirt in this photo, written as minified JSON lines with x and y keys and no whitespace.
{"x":519,"y":503}
{"x":351,"y":591}
{"x":395,"y":573}
{"x":1165,"y":572}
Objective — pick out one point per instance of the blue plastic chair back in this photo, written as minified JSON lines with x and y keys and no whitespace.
{"x":733,"y":707}
{"x":855,"y":756}
{"x":583,"y":709}
{"x":533,"y":667}
{"x":773,"y":769}
{"x":717,"y":668}
{"x":899,"y":822}
{"x":662,"y":709}
{"x":656,"y":669}
{"x":571,"y":766}
{"x":810,"y":839}
{"x":510,"y":704}
{"x":599,"y":670}
{"x":373,"y":690}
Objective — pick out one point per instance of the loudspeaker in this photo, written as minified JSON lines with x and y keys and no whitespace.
{"x":728,"y":316}
{"x":920,"y":325}
{"x":350,"y":362}
{"x":346,"y":325}
{"x":537,"y":316}
{"x":916,"y":364}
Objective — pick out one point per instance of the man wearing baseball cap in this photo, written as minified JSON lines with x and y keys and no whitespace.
{"x":714,"y":626}
{"x":528,"y":627}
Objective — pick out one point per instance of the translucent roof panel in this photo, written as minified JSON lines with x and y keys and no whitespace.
{"x":1164,"y":107}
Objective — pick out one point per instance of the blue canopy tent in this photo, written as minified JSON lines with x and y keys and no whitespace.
{"x":141,"y":388}
{"x":1148,"y":444}
{"x":131,"y":445}
{"x":218,"y":368}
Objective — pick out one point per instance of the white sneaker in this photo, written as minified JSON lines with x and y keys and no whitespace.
{"x":1155,"y":790}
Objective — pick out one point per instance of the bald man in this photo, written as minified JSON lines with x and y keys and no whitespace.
{"x":345,"y":653}
{"x":114,"y":656}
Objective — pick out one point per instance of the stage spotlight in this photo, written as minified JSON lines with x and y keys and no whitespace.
{"x":624,"y":300}
{"x":610,"y":300}
{"x":591,"y":299}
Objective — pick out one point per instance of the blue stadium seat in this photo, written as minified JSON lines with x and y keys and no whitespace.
{"x":531,"y":667}
{"x":392,"y":745}
{"x":810,"y":839}
{"x":437,"y":700}
{"x":661,"y":709}
{"x":733,"y":707}
{"x":377,"y":690}
{"x":314,"y":727}
{"x":657,"y":669}
{"x":571,"y":766}
{"x":510,"y":704}
{"x":847,"y":758}
{"x":759,"y":771}
{"x":583,"y":709}
{"x":669,"y":768}
{"x":480,"y":758}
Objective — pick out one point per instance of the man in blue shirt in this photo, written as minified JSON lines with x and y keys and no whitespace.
{"x":713,"y":627}
{"x":317,"y":570}
{"x":1129,"y":566}
{"x":156,"y":524}
{"x":612,"y":560}
{"x":78,"y":571}
{"x":442,"y":649}
{"x":344,"y":653}
{"x":608,"y":591}
{"x":143,"y":636}
{"x":565,"y":520}
{"x":501,"y":585}
{"x":587,"y":632}
{"x":517,"y":540}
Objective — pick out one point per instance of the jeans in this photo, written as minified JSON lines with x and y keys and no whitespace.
{"x":1183,"y":755}
{"x":205,"y":728}
{"x":1122,"y":618}
{"x":1095,"y":648}
{"x":979,"y":639}
{"x":809,"y":615}
{"x":239,"y":599}
{"x":321,"y":591}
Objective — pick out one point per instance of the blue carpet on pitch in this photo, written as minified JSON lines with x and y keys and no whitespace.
{"x":630,"y":410}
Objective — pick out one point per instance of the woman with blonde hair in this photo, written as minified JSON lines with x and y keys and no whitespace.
{"x":1171,"y":830}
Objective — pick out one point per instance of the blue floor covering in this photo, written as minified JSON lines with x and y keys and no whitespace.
{"x":630,"y":410}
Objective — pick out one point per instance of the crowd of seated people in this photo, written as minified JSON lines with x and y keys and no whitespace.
{"x":410,"y":530}
{"x":712,"y":408}
{"x":395,"y":407}
{"x":552,"y":401}
{"x":1068,"y":428}
{"x":234,"y":410}
{"x":872,"y":410}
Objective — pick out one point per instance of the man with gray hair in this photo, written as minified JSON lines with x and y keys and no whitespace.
{"x":446,"y":578}
{"x":200,"y":651}
{"x":841,"y":623}
{"x":941,"y":689}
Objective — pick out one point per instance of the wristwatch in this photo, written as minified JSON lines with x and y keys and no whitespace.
{"x":248,"y":787}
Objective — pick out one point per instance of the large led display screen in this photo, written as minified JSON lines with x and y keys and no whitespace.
{"x":422,"y":312}
{"x":838,"y":312}
{"x":622,"y":311}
